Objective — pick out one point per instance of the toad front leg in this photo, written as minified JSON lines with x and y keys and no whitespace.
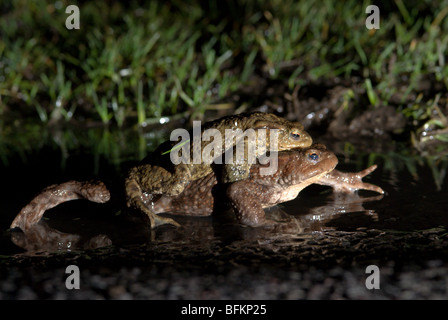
{"x":349,"y":181}
{"x":246,"y":204}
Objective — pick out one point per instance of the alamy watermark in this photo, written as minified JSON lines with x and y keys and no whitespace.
{"x":236,"y":147}
{"x":245,"y":152}
{"x":72,"y":21}
{"x":72,"y":281}
{"x":373,"y":280}
{"x":373,"y":20}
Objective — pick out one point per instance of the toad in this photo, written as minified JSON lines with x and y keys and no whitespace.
{"x":157,"y":174}
{"x":297,"y":169}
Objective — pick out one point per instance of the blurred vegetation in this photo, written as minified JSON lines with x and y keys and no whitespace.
{"x":151,"y":60}
{"x":136,"y":63}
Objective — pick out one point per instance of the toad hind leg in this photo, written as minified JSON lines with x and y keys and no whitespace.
{"x":134,"y":200}
{"x":158,"y":180}
{"x":54,"y":195}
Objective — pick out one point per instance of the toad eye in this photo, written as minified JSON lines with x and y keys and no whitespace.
{"x":313,"y":156}
{"x":295,"y":135}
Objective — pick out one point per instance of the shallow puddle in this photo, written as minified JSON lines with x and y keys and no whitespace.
{"x":413,"y":201}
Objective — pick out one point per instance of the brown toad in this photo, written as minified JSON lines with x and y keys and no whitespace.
{"x":158,"y":175}
{"x":297,"y":169}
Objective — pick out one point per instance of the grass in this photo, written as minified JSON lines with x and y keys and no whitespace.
{"x":137,"y":64}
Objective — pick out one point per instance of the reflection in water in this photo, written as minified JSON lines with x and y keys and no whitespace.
{"x":41,"y":238}
{"x":337,"y":204}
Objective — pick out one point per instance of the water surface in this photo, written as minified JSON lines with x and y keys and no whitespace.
{"x":415,"y":199}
